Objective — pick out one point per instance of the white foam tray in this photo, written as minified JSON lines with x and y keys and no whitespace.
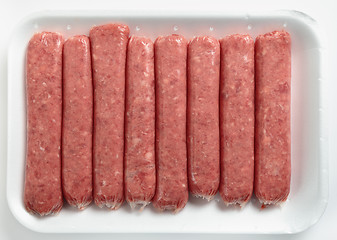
{"x":309,"y":186}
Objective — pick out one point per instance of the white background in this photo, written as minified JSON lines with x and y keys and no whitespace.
{"x":324,"y":11}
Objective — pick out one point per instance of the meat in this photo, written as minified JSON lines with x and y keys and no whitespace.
{"x":272,"y":127}
{"x":203,"y":116}
{"x":77,"y":122}
{"x":171,"y":154}
{"x":108,"y":45}
{"x":192,"y":117}
{"x":139,"y":167}
{"x":43,"y":190}
{"x":237,"y":119}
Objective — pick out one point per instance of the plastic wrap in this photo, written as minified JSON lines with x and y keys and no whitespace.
{"x":203,"y":116}
{"x":237,"y":118}
{"x":42,"y":191}
{"x":108,"y":45}
{"x":139,"y":162}
{"x":272,"y":138}
{"x":77,"y":122}
{"x":171,"y":154}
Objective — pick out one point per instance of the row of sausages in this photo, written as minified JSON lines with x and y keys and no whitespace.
{"x":111,"y":118}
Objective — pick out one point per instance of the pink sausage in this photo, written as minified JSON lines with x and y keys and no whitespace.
{"x":272,"y":134}
{"x":108,"y":47}
{"x":43,"y":190}
{"x":237,"y":118}
{"x":171,"y":153}
{"x":139,"y":167}
{"x":203,"y":138}
{"x":77,"y":122}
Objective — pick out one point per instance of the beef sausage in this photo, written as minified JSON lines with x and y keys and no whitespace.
{"x":43,"y":190}
{"x":77,"y":122}
{"x":108,"y":47}
{"x":237,"y":118}
{"x":272,"y":127}
{"x":171,"y":154}
{"x":139,"y":167}
{"x":203,"y":116}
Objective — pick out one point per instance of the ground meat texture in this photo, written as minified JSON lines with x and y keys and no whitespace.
{"x":237,"y":118}
{"x":139,"y":167}
{"x":272,"y":127}
{"x":108,"y":47}
{"x":171,"y":153}
{"x":43,"y":190}
{"x":77,"y":122}
{"x":203,"y":116}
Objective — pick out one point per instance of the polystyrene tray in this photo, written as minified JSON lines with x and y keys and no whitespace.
{"x":309,"y":185}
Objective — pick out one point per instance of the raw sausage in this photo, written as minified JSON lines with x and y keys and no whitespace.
{"x":203,"y":138}
{"x":140,"y":168}
{"x":171,"y":154}
{"x":272,"y":134}
{"x":77,"y":122}
{"x":108,"y":44}
{"x":43,"y":190}
{"x":237,"y":118}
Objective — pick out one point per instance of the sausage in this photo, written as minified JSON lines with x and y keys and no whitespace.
{"x":203,"y":138}
{"x":108,"y":47}
{"x":43,"y":190}
{"x":139,"y":167}
{"x":77,"y":122}
{"x":272,"y":127}
{"x":237,"y":119}
{"x":171,"y":154}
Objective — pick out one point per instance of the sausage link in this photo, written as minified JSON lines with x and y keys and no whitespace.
{"x":77,"y":122}
{"x":203,"y":138}
{"x":171,"y":153}
{"x":237,"y":118}
{"x":43,"y":190}
{"x":140,"y":168}
{"x":108,"y":47}
{"x":272,"y":133}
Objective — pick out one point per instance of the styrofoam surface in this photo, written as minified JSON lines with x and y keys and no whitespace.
{"x":309,"y":185}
